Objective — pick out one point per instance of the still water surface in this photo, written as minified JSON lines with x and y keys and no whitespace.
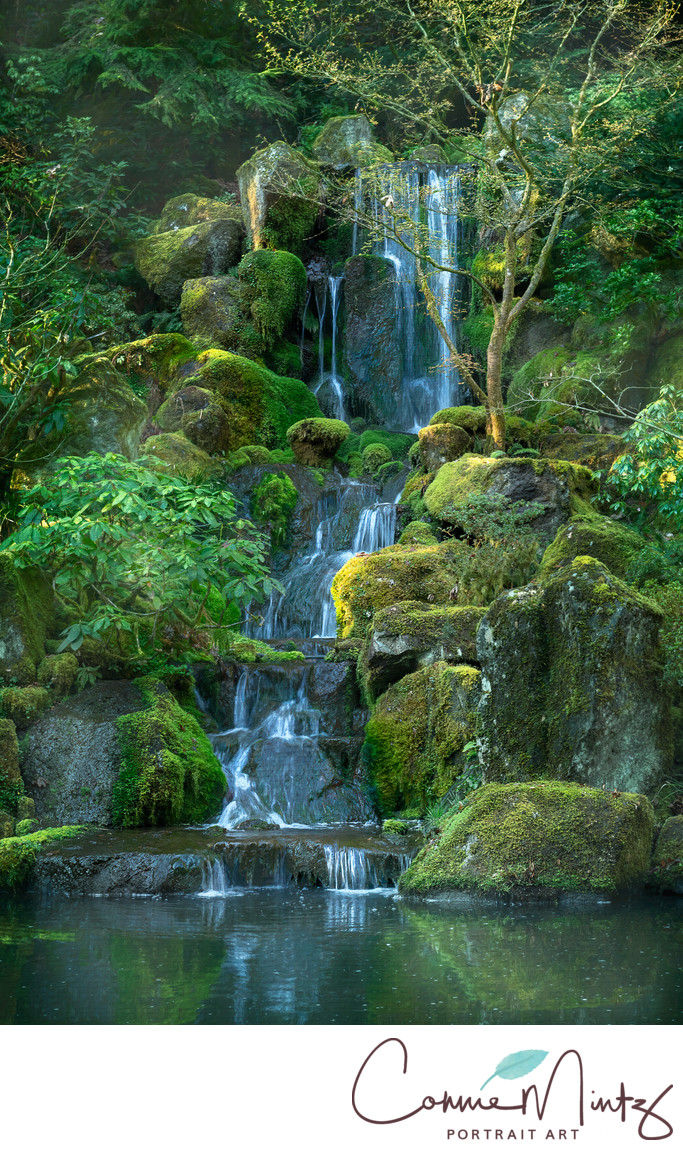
{"x":306,"y":957}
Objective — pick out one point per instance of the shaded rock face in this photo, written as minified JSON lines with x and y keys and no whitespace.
{"x":210,"y":248}
{"x":572,"y":684}
{"x":667,"y":858}
{"x":595,"y":451}
{"x":538,"y":839}
{"x":412,"y":635}
{"x":280,"y":193}
{"x":195,"y":412}
{"x":73,"y":758}
{"x":372,"y":352}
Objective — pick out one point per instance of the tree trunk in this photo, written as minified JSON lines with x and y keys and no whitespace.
{"x":495,"y":422}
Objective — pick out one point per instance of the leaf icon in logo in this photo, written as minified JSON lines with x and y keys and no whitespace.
{"x":517,"y":1065}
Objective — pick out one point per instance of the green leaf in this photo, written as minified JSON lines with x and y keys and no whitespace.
{"x":517,"y":1065}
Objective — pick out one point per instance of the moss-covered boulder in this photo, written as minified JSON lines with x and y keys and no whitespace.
{"x":595,"y":451}
{"x":275,"y":284}
{"x":272,"y":504}
{"x":348,"y":142}
{"x":172,"y":451}
{"x":415,"y":737}
{"x":261,"y":406}
{"x":667,"y":858}
{"x":185,"y":211}
{"x":22,"y":705}
{"x":611,"y":543}
{"x":410,"y":635}
{"x":11,"y":785}
{"x":471,"y":419}
{"x":554,"y":489}
{"x":58,"y":672}
{"x":573,"y":683}
{"x":374,"y":456}
{"x":197,"y":413}
{"x":208,"y":247}
{"x":428,"y":154}
{"x":121,"y":753}
{"x":417,"y":533}
{"x":215,"y":313}
{"x":538,"y":839}
{"x":442,"y":443}
{"x":155,"y":365}
{"x":280,"y":192}
{"x":444,"y":574}
{"x":26,"y":611}
{"x":316,"y":441}
{"x":554,"y":380}
{"x":371,"y":340}
{"x":18,"y":853}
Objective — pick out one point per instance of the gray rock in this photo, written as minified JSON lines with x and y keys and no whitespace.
{"x":411,"y":635}
{"x":372,"y":351}
{"x":349,"y":142}
{"x":280,"y":192}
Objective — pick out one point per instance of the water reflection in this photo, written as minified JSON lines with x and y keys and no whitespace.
{"x":300,"y":957}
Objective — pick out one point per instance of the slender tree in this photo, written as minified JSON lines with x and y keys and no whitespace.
{"x":542,"y":98}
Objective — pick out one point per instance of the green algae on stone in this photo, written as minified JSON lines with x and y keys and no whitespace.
{"x":169,"y":773}
{"x":611,"y":543}
{"x":276,"y":289}
{"x":415,"y":736}
{"x":18,"y":854}
{"x":26,"y":614}
{"x":418,"y":534}
{"x":538,"y":837}
{"x":471,"y":419}
{"x":442,"y":443}
{"x":58,"y":672}
{"x":272,"y":503}
{"x":173,"y":451}
{"x":412,"y":634}
{"x":316,"y":441}
{"x":23,"y":704}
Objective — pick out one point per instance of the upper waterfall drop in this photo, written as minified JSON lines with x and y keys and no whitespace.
{"x":427,"y":199}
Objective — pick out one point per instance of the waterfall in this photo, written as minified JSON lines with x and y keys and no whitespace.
{"x":335,"y":283}
{"x":427,"y":200}
{"x":330,"y":286}
{"x":349,"y":520}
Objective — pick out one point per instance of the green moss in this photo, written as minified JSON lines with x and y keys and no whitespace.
{"x":416,"y":734}
{"x":188,"y":209}
{"x":535,"y":836}
{"x":158,"y":361}
{"x":375,"y":455}
{"x":272,"y":503}
{"x":58,"y":672}
{"x":667,"y":857}
{"x":250,"y":455}
{"x":26,"y":613}
{"x":395,"y":827}
{"x":316,"y":441}
{"x":172,"y":451}
{"x":552,"y":380}
{"x":18,"y":854}
{"x":11,"y":785}
{"x":276,"y":283}
{"x":417,"y":534}
{"x":397,"y":444}
{"x":255,"y":651}
{"x":280,"y":191}
{"x":169,"y":773}
{"x":598,"y":452}
{"x":473,"y":419}
{"x":165,"y":260}
{"x":23,"y":705}
{"x":489,"y":267}
{"x":611,"y":543}
{"x":26,"y":827}
{"x":477,"y":330}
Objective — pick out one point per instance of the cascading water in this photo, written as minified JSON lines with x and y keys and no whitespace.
{"x":418,"y":200}
{"x":330,"y":286}
{"x":349,"y":520}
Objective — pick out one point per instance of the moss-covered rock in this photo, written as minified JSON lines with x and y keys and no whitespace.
{"x":611,"y":543}
{"x":276,"y":290}
{"x":418,"y":534}
{"x":553,"y":380}
{"x":6,"y":825}
{"x":26,"y":827}
{"x":58,"y":672}
{"x":416,"y":734}
{"x":261,"y":406}
{"x":23,"y":704}
{"x":374,"y":456}
{"x":215,"y":313}
{"x":11,"y":785}
{"x":573,"y":683}
{"x":595,"y":451}
{"x":169,"y":773}
{"x":538,"y":838}
{"x":173,"y":451}
{"x":18,"y":854}
{"x":199,"y":415}
{"x":428,"y":154}
{"x":185,"y":211}
{"x":442,"y":443}
{"x":280,"y":193}
{"x":205,"y":248}
{"x":667,"y":857}
{"x":156,"y":365}
{"x":410,"y":635}
{"x":348,"y":142}
{"x":472,"y":419}
{"x":555,"y":488}
{"x":26,"y":612}
{"x":316,"y":441}
{"x":272,"y":504}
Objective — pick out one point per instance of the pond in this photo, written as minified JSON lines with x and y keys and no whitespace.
{"x":318,"y":956}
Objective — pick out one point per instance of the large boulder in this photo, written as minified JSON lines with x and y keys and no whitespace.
{"x":156,"y":365}
{"x":281,"y":194}
{"x":415,"y":737}
{"x":208,"y":245}
{"x":442,"y":443}
{"x":595,"y":451}
{"x":188,"y":210}
{"x":542,"y":127}
{"x":551,"y":489}
{"x":611,"y":543}
{"x":372,"y":345}
{"x":348,"y":142}
{"x":26,"y":610}
{"x":173,"y":452}
{"x":196,"y":412}
{"x":538,"y":839}
{"x":275,"y":291}
{"x":572,"y":683}
{"x":317,"y":441}
{"x":215,"y":314}
{"x":412,"y":635}
{"x":121,"y":753}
